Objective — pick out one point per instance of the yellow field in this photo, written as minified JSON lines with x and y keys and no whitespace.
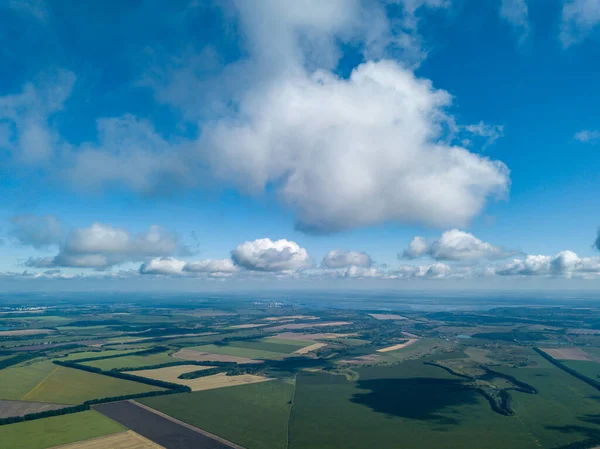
{"x":171,"y":374}
{"x":246,"y":326}
{"x":291,"y":317}
{"x":22,"y":332}
{"x":125,"y":440}
{"x":307,"y":349}
{"x":387,"y":316}
{"x":222,"y":380}
{"x":400,"y":346}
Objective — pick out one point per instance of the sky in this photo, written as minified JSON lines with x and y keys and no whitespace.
{"x":362,"y":143}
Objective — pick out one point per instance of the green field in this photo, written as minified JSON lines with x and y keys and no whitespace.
{"x":46,"y":382}
{"x":17,"y":381}
{"x":254,"y":416}
{"x":239,"y":351}
{"x":585,"y":367}
{"x":57,"y":430}
{"x":282,"y":347}
{"x":412,"y":405}
{"x":131,"y":361}
{"x":285,"y":341}
{"x":90,"y":354}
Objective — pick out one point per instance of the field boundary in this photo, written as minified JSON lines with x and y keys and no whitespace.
{"x":591,"y":382}
{"x":188,"y":426}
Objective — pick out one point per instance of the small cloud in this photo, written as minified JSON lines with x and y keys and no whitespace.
{"x":343,"y":259}
{"x":455,"y":245}
{"x":588,"y":136}
{"x":579,"y":18}
{"x":516,"y":13}
{"x":268,"y":255}
{"x":164,"y":266}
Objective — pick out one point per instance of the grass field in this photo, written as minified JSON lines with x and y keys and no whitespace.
{"x":57,"y":430}
{"x":90,"y":354}
{"x":424,"y":346}
{"x":240,"y":351}
{"x":412,"y":405}
{"x":254,"y":416}
{"x":131,"y":361}
{"x":270,"y":346}
{"x":17,"y":381}
{"x":285,"y":341}
{"x":46,"y":382}
{"x":587,"y":368}
{"x":565,"y":410}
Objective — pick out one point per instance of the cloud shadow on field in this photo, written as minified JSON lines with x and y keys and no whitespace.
{"x":416,"y":398}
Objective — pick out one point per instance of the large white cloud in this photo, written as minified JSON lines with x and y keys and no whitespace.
{"x":455,"y":245}
{"x":579,"y":18}
{"x":341,"y":259}
{"x":101,"y":246}
{"x":268,"y":255}
{"x":340,"y":152}
{"x":347,"y":153}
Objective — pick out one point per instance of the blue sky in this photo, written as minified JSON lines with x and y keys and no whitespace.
{"x":396,"y":142}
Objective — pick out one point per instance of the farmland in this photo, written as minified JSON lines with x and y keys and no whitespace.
{"x":123,"y":440}
{"x":254,"y":416}
{"x":46,"y":382}
{"x":57,"y":430}
{"x":299,"y":377}
{"x":130,"y":361}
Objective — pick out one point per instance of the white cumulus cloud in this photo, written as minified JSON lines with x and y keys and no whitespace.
{"x":212,"y":266}
{"x":163,"y":265}
{"x":565,"y":263}
{"x":455,"y":245}
{"x":101,"y":246}
{"x":355,"y":152}
{"x":268,"y":255}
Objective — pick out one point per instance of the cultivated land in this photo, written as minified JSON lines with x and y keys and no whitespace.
{"x":566,"y":353}
{"x":300,"y":377}
{"x":159,"y":429}
{"x":19,"y":333}
{"x":130,"y":361}
{"x":387,"y":316}
{"x":254,"y":416}
{"x":310,"y":348}
{"x":72,"y":386}
{"x":197,"y":356}
{"x":411,"y":341}
{"x":57,"y":430}
{"x":125,"y":440}
{"x":20,"y":408}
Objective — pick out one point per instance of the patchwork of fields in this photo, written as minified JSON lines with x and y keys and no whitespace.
{"x":299,"y":378}
{"x":47,"y":382}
